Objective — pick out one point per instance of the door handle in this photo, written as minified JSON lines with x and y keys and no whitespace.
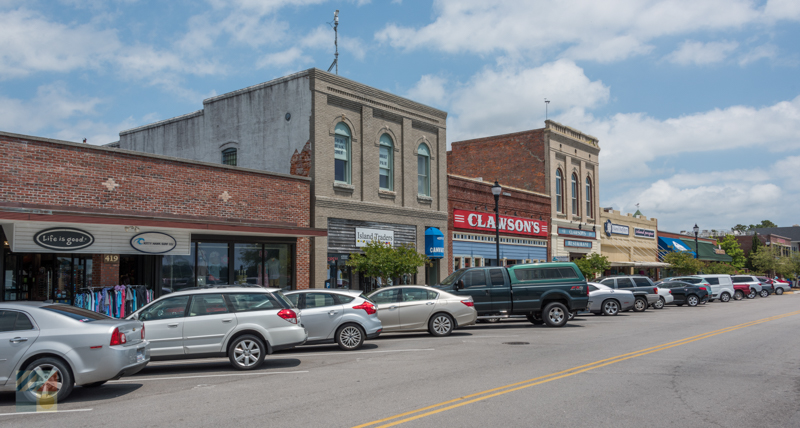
{"x":429,"y":303}
{"x":172,"y":325}
{"x":392,"y":307}
{"x":227,"y":320}
{"x":18,"y":339}
{"x":487,"y":292}
{"x":333,"y":312}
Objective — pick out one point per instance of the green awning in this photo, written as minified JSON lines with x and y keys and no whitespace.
{"x":706,"y":252}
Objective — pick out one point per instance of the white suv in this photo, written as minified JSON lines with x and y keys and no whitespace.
{"x":721,"y":287}
{"x":243,"y":323}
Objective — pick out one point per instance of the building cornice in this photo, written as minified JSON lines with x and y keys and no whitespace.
{"x":323,"y":202}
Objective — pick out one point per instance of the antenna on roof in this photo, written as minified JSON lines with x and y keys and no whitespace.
{"x":546,"y":103}
{"x":335,"y":42}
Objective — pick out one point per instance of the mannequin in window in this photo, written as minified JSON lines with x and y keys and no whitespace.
{"x":214,"y":267}
{"x":274,"y":271}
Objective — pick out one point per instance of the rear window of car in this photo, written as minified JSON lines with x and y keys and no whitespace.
{"x":541,"y":273}
{"x":246,"y":302}
{"x":740,"y":279}
{"x":286,"y":302}
{"x":642,"y":282}
{"x":608,"y":282}
{"x":78,"y":314}
{"x":342,"y":299}
{"x":713,"y":281}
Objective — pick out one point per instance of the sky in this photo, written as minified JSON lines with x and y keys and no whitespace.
{"x":696,"y":103}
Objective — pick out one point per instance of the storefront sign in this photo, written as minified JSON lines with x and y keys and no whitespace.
{"x":560,"y":258}
{"x":577,"y":232}
{"x":616,"y":229}
{"x":579,"y":244}
{"x":111,"y":258}
{"x":485,"y":221}
{"x":63,"y":239}
{"x":719,"y":251}
{"x":153,"y":242}
{"x":365,"y":236}
{"x":644,"y":233}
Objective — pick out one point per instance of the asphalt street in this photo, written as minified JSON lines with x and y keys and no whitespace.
{"x":731,"y":364}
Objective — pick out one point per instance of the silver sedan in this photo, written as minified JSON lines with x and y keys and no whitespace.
{"x":608,"y":301}
{"x":56,"y":347}
{"x":421,"y":308}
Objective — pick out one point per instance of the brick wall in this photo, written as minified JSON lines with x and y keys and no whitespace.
{"x":516,"y":160}
{"x":465,"y":194}
{"x":104,"y":274}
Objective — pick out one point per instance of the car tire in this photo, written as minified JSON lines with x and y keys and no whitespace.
{"x":764,"y":293}
{"x":39,"y":390}
{"x":350,"y":337}
{"x":738,"y":295}
{"x":492,"y":320}
{"x":94,"y":384}
{"x":610,"y":307}
{"x":535,"y":320}
{"x":725,"y":297}
{"x":640,"y":304}
{"x":752,"y":294}
{"x":247,"y":352}
{"x":660,"y":303}
{"x":572,"y":315}
{"x":692,"y":300}
{"x":555,"y":314}
{"x":779,"y":291}
{"x":440,"y":325}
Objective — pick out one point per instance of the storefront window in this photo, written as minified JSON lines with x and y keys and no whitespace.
{"x":177,"y":272}
{"x":212,"y":263}
{"x":12,"y":290}
{"x":278,"y":262}
{"x":248,"y":264}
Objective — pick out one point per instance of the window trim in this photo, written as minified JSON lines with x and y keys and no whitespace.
{"x":343,"y":130}
{"x":389,"y":144}
{"x":228,"y":151}
{"x":589,"y":207}
{"x":427,"y":157}
{"x":575,"y":198}
{"x":559,"y":191}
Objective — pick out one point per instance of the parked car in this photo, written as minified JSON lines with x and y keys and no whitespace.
{"x":696,"y":280}
{"x":766,"y":284}
{"x":604,"y":300}
{"x":685,"y":293}
{"x":421,"y":308}
{"x":664,"y":298}
{"x":346,"y":317}
{"x":546,"y":293}
{"x":643,"y":288}
{"x":754,"y":287}
{"x":781,"y":286}
{"x":59,"y":346}
{"x":242,"y":323}
{"x":721,"y":286}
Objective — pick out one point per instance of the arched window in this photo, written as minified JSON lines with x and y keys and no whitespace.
{"x":574,"y":194}
{"x":229,"y":157}
{"x":341,"y":142}
{"x":386,"y":163}
{"x":559,"y":192}
{"x":589,"y":210}
{"x":423,"y":170}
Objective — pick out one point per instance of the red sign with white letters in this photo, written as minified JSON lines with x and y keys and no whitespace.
{"x":485,"y":221}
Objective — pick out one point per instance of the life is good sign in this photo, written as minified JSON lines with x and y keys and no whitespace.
{"x":365,"y":236}
{"x":474,"y":220}
{"x":63,"y":239}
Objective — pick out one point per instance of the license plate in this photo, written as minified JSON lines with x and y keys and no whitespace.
{"x":139,"y":355}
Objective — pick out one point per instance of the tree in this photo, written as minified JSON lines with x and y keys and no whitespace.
{"x":592,"y":265}
{"x":385,"y":262}
{"x":683,"y":263}
{"x":753,"y":250}
{"x":784,"y":266}
{"x":719,"y":268}
{"x":732,"y":248}
{"x":739,"y":228}
{"x":765,"y":259}
{"x":762,"y":225}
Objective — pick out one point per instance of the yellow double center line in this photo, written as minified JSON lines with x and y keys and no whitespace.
{"x":494,"y":392}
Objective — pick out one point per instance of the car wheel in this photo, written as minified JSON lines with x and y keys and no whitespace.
{"x":350,"y":337}
{"x":572,"y":315}
{"x":47,"y":381}
{"x":555,"y":314}
{"x":764,"y":293}
{"x":440,"y":325}
{"x":752,"y":294}
{"x":779,"y":291}
{"x":247,"y":352}
{"x":725,"y":297}
{"x":660,"y":303}
{"x":610,"y":307}
{"x":94,"y":384}
{"x":738,"y":295}
{"x":692,"y":300}
{"x":535,"y":320}
{"x":640,"y":304}
{"x":493,"y":320}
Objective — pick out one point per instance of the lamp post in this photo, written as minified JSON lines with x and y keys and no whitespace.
{"x":696,"y":231}
{"x":496,"y":189}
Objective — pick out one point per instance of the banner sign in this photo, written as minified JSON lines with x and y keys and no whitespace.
{"x":63,"y":239}
{"x":365,"y":236}
{"x":644,"y":233}
{"x":579,"y":244}
{"x":576,"y":232}
{"x":153,"y":243}
{"x":616,"y":229}
{"x":473,"y":220}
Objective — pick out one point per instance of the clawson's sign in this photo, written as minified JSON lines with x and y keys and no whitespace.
{"x":473,"y":220}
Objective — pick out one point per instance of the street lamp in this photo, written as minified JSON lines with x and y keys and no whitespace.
{"x":496,"y":189}
{"x":696,"y":230}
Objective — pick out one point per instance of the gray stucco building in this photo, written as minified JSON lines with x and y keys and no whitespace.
{"x":377,"y":161}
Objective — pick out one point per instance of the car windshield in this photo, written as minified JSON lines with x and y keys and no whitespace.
{"x":600,"y":286}
{"x":284,"y":300}
{"x":452,"y":277}
{"x":78,"y":314}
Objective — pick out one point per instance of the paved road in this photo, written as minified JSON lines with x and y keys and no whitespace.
{"x":731,"y":364}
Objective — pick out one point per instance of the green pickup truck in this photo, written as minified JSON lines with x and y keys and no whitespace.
{"x":545,"y":293}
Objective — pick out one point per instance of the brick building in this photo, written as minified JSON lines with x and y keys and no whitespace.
{"x":782,"y":244}
{"x":376,"y":161}
{"x":555,"y":160}
{"x":471,"y":227}
{"x":75,"y":217}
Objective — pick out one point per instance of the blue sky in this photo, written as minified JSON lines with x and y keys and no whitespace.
{"x":696,"y":102}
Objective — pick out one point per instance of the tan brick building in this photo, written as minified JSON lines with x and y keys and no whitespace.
{"x":377,"y":161}
{"x":630,"y":241}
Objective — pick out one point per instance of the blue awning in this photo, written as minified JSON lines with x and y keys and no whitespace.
{"x":667,"y":245}
{"x":434,"y":243}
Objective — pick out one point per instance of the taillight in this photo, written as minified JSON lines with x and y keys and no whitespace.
{"x":670,"y":291}
{"x":587,"y":291}
{"x":288,"y":315}
{"x":655,"y":290}
{"x":118,"y":338}
{"x":366,"y":306}
{"x":469,"y":303}
{"x":142,"y":331}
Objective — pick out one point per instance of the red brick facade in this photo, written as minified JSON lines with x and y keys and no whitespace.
{"x":465,"y":194}
{"x":515,"y":160}
{"x":105,"y":273}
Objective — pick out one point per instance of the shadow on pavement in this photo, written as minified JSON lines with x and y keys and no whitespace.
{"x":79,"y":394}
{"x":272,"y":362}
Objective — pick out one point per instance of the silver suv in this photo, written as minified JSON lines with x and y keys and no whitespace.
{"x":243,"y":323}
{"x":346,"y":317}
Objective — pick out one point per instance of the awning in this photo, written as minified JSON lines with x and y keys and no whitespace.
{"x":434,"y":243}
{"x":707,"y":253}
{"x":670,"y":245}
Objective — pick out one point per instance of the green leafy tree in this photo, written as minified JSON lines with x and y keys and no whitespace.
{"x":784,"y":266}
{"x":683,"y":263}
{"x":765,"y":259}
{"x":593,"y":265}
{"x":753,"y":250}
{"x":763,"y":224}
{"x":385,"y":262}
{"x":739,"y":228}
{"x":732,"y":248}
{"x":719,"y":268}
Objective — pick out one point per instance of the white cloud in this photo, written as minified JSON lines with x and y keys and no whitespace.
{"x":698,"y":53}
{"x":322,"y":37}
{"x":291,"y":56}
{"x":768,"y":50}
{"x":429,"y":89}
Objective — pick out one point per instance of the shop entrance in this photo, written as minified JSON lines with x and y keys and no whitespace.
{"x":41,"y":277}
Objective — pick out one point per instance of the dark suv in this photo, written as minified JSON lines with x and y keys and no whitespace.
{"x":645,"y":292}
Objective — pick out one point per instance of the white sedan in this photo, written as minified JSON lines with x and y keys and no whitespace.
{"x":664,"y":298}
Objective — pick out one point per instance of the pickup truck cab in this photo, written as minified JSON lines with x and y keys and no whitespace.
{"x":546,"y":293}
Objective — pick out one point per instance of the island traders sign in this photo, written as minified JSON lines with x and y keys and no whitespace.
{"x":485,"y":222}
{"x":63,"y":239}
{"x":365,"y":236}
{"x":644,"y":233}
{"x":616,"y":229}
